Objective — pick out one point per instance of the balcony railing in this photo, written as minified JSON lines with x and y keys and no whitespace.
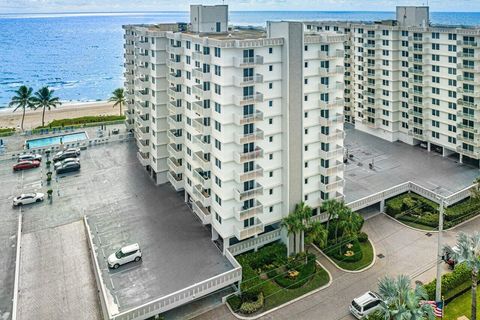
{"x":247,"y":213}
{"x":247,"y":81}
{"x":202,"y":212}
{"x":201,"y":127}
{"x":174,"y":64}
{"x":202,"y":178}
{"x":198,"y":108}
{"x":471,"y":153}
{"x":241,"y":196}
{"x":197,"y":90}
{"x":469,"y":116}
{"x":202,"y":195}
{"x":175,"y":165}
{"x":173,"y":123}
{"x":177,"y":50}
{"x":175,"y":79}
{"x":242,"y":233}
{"x":335,"y":119}
{"x":175,"y":151}
{"x":333,"y":169}
{"x":199,"y":74}
{"x":467,"y":128}
{"x":199,"y":56}
{"x":241,"y":100}
{"x":242,"y":119}
{"x":241,"y":157}
{"x":332,"y":186}
{"x":200,"y":157}
{"x":337,"y":135}
{"x":175,"y":180}
{"x":175,"y":93}
{"x":174,"y":137}
{"x":204,"y":146}
{"x":256,"y":173}
{"x":144,"y":158}
{"x":249,"y":137}
{"x":337,"y":152}
{"x":247,"y":61}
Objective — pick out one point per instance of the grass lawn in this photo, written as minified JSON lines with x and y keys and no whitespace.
{"x":367,"y":258}
{"x":460,"y":306}
{"x":417,"y":225}
{"x":275,"y":295}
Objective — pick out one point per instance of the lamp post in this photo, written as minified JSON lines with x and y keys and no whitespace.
{"x":438,"y":289}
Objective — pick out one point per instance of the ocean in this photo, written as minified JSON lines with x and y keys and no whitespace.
{"x":81,"y":55}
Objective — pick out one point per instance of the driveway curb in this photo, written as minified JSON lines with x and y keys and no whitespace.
{"x":17,"y":266}
{"x":350,"y":271}
{"x":286,"y":303}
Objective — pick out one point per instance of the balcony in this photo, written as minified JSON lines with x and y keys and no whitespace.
{"x":332,"y":137}
{"x":203,"y":178}
{"x":142,"y":95}
{"x":331,"y":87}
{"x":175,"y":180}
{"x":241,"y":139}
{"x":173,"y":123}
{"x":337,"y":167}
{"x":144,"y":158}
{"x":199,"y":156}
{"x":461,"y":137}
{"x":469,"y":116}
{"x":198,"y":91}
{"x":201,"y":127}
{"x":242,"y":119}
{"x":142,"y":133}
{"x":174,"y":64}
{"x":176,"y":93}
{"x":174,"y":137}
{"x":332,"y":186}
{"x":242,"y":157}
{"x":241,"y":100}
{"x":142,"y":121}
{"x":325,"y":72}
{"x":143,"y":146}
{"x":336,"y":119}
{"x":199,"y":74}
{"x":247,"y":81}
{"x":200,"y":56}
{"x":175,"y":79}
{"x":415,"y":113}
{"x":325,"y":55}
{"x":202,"y":196}
{"x":175,"y":151}
{"x":247,"y":232}
{"x":204,"y":146}
{"x":337,"y":152}
{"x":467,"y":43}
{"x":466,"y":103}
{"x":241,"y":177}
{"x":468,"y":153}
{"x":467,"y":128}
{"x":202,"y":212}
{"x":198,"y":108}
{"x":241,"y":196}
{"x":176,"y":50}
{"x":415,"y":71}
{"x":247,"y":61}
{"x":243,"y":213}
{"x":175,"y":165}
{"x":173,"y":109}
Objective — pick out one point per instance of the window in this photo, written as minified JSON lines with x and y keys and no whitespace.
{"x":270,"y":121}
{"x":218,"y":126}
{"x":218,"y":218}
{"x":218,"y":89}
{"x":270,"y":50}
{"x":270,"y":174}
{"x":218,"y":108}
{"x":270,"y":85}
{"x":270,"y":103}
{"x":218,"y":200}
{"x":218,"y":70}
{"x":218,"y":163}
{"x":270,"y":68}
{"x":217,"y":52}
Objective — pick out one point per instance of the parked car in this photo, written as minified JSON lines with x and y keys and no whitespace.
{"x":28,"y":198}
{"x":26,"y":165}
{"x":366,"y":304}
{"x":59,"y":164}
{"x":68,"y":167}
{"x":124,"y":255}
{"x":29,"y":157}
{"x":69,"y":153}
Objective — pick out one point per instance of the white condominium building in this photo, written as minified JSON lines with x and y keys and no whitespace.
{"x":415,"y":82}
{"x":247,"y":121}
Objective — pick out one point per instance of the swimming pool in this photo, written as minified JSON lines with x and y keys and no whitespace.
{"x":64,"y":138}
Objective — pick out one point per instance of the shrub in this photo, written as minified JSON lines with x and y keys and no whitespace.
{"x":305,"y":272}
{"x":6,"y":132}
{"x":250,"y":307}
{"x":362,"y":237}
{"x":408,"y":203}
{"x":235,"y":302}
{"x":82,"y":120}
{"x":339,"y":253}
{"x":450,"y":281}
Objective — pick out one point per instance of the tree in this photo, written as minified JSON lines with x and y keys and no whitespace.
{"x":401,"y":302}
{"x":293,"y":225}
{"x":317,"y":233}
{"x":22,"y":99}
{"x":469,"y":253}
{"x":118,"y":98}
{"x":44,"y":99}
{"x":331,"y":207}
{"x":475,"y":191}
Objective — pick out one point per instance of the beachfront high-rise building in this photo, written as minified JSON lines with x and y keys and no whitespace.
{"x":414,"y":82}
{"x":247,"y":121}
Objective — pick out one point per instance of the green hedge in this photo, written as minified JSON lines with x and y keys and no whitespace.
{"x":81,"y":121}
{"x":249,"y":307}
{"x":338,"y":252}
{"x":408,"y":201}
{"x":453,"y":283}
{"x":4,"y":132}
{"x":461,"y":211}
{"x":306,"y":270}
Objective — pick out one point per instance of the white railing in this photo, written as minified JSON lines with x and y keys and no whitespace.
{"x":256,"y":242}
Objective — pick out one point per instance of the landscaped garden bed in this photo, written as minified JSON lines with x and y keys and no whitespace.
{"x":271,"y":279}
{"x":419,"y":212}
{"x":4,"y":132}
{"x":83,"y":121}
{"x":352,"y":254}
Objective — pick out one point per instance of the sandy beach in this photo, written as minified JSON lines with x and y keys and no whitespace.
{"x":71,"y":110}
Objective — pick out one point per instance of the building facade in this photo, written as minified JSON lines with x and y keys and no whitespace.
{"x":414,"y":82}
{"x":246,"y":122}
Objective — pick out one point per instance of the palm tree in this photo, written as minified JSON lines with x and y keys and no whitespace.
{"x":401,"y":302}
{"x":331,"y":207}
{"x":118,"y":97}
{"x":293,"y":225}
{"x":44,"y":99}
{"x":22,"y":99}
{"x":475,"y":191}
{"x":469,"y":253}
{"x":317,"y":233}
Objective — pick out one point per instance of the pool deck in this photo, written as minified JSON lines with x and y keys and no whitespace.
{"x":57,"y":139}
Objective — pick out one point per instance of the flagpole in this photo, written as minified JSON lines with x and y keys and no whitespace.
{"x":438,"y":290}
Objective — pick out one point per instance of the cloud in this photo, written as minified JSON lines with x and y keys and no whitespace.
{"x":182,"y":5}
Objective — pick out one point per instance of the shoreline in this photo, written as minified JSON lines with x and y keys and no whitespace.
{"x":33,"y":118}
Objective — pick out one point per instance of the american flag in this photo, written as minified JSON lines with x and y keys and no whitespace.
{"x":437,"y":308}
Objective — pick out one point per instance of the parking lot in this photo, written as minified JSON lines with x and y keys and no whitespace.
{"x":395,"y":163}
{"x":123,"y":206}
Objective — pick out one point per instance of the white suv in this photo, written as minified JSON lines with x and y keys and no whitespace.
{"x":366,"y":304}
{"x":124,"y":255}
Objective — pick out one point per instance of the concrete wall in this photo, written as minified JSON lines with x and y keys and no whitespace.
{"x":205,"y":18}
{"x":411,"y":16}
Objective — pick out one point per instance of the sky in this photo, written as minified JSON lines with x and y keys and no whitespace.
{"x":61,"y":6}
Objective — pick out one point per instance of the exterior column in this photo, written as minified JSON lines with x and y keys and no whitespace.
{"x":460,"y":158}
{"x":215,"y":235}
{"x":382,"y":205}
{"x":428,"y":147}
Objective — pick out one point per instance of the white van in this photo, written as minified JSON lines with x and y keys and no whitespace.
{"x":366,"y":304}
{"x":125,"y":255}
